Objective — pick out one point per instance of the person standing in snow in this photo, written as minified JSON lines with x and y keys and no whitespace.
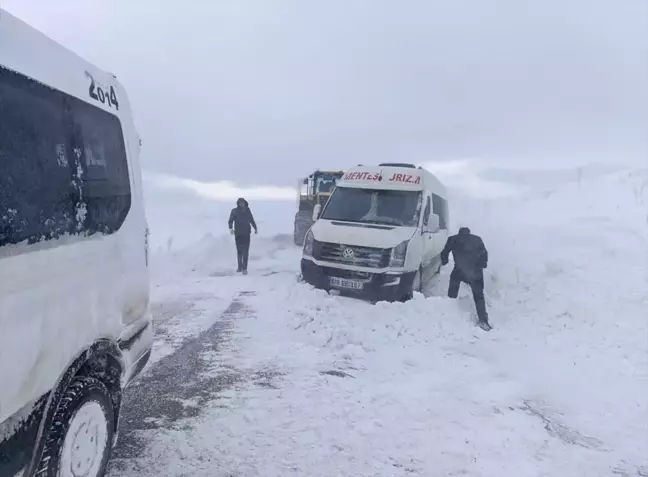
{"x":241,"y":222}
{"x":470,"y":260}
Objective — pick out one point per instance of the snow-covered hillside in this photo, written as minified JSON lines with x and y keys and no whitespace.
{"x":179,"y":216}
{"x":320,"y":385}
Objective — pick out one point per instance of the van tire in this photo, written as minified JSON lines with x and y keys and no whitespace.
{"x":85,"y":406}
{"x":436,"y":265}
{"x":417,"y":285}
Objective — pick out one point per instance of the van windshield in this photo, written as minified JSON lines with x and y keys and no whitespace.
{"x":374,"y":206}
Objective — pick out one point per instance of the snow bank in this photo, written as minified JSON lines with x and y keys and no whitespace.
{"x":557,"y":388}
{"x":391,"y":389}
{"x":179,"y":216}
{"x":569,"y":289}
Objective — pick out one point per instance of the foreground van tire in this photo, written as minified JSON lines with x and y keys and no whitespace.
{"x":80,"y":440}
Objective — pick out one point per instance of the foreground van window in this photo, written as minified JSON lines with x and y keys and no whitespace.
{"x":62,"y":162}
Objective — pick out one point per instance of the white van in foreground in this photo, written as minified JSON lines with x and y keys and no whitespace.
{"x":380,"y":234}
{"x":74,"y":322}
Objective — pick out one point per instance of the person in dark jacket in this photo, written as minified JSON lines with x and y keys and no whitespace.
{"x":470,"y":260}
{"x":241,"y":222}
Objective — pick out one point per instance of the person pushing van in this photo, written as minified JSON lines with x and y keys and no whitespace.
{"x":241,"y":221}
{"x":470,"y":259}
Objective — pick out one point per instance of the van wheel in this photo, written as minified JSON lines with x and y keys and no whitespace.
{"x":437,"y":266}
{"x":79,"y":442}
{"x":416,"y":286}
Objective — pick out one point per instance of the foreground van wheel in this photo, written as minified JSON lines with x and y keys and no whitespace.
{"x":80,"y":439}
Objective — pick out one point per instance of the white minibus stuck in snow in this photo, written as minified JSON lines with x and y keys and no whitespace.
{"x":380,"y":235}
{"x":75,"y":326}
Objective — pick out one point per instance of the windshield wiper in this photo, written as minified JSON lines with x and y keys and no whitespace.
{"x":343,"y":220}
{"x":385,"y":221}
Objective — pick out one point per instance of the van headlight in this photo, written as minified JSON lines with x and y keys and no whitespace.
{"x":308,"y":244}
{"x":398,"y":254}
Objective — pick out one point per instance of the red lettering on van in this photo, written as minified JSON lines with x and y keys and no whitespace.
{"x":408,"y":178}
{"x":361,"y":176}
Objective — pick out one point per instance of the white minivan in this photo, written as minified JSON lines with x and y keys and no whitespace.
{"x":75,"y":327}
{"x":380,"y":235}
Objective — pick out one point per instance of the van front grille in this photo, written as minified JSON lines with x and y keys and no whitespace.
{"x":353,"y":255}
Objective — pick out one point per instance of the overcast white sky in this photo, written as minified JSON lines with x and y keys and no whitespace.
{"x":263,"y":91}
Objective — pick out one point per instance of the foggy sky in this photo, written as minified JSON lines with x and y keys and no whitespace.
{"x":263,"y":91}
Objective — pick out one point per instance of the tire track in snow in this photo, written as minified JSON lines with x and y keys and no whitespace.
{"x":559,"y":430}
{"x":175,"y":388}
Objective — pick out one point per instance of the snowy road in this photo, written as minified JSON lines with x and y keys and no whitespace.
{"x":177,"y":386}
{"x":262,"y":376}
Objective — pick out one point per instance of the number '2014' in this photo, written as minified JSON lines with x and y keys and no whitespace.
{"x":98,"y":94}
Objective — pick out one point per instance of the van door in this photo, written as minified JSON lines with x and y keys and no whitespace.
{"x":60,"y":266}
{"x":428,"y":246}
{"x":38,"y":200}
{"x":440,"y":209}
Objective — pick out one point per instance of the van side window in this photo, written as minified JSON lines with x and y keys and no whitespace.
{"x":440,"y":208}
{"x":63,"y":165}
{"x":426,"y":212}
{"x":104,"y":168}
{"x":37,"y":197}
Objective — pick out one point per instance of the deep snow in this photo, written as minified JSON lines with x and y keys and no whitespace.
{"x":558,"y":388}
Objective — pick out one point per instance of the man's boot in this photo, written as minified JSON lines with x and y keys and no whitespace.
{"x":480,"y":305}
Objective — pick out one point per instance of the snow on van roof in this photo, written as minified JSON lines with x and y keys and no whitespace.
{"x":31,"y":53}
{"x":392,"y":177}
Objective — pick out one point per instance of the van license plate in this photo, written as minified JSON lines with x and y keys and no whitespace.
{"x":344,"y":283}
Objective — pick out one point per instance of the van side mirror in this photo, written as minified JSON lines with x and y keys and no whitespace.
{"x":433,"y":224}
{"x":317,"y":210}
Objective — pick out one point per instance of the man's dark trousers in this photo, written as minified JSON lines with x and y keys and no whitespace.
{"x":476,"y":283}
{"x":242,"y":251}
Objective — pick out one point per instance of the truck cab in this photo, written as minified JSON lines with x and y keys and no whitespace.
{"x":314,"y":191}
